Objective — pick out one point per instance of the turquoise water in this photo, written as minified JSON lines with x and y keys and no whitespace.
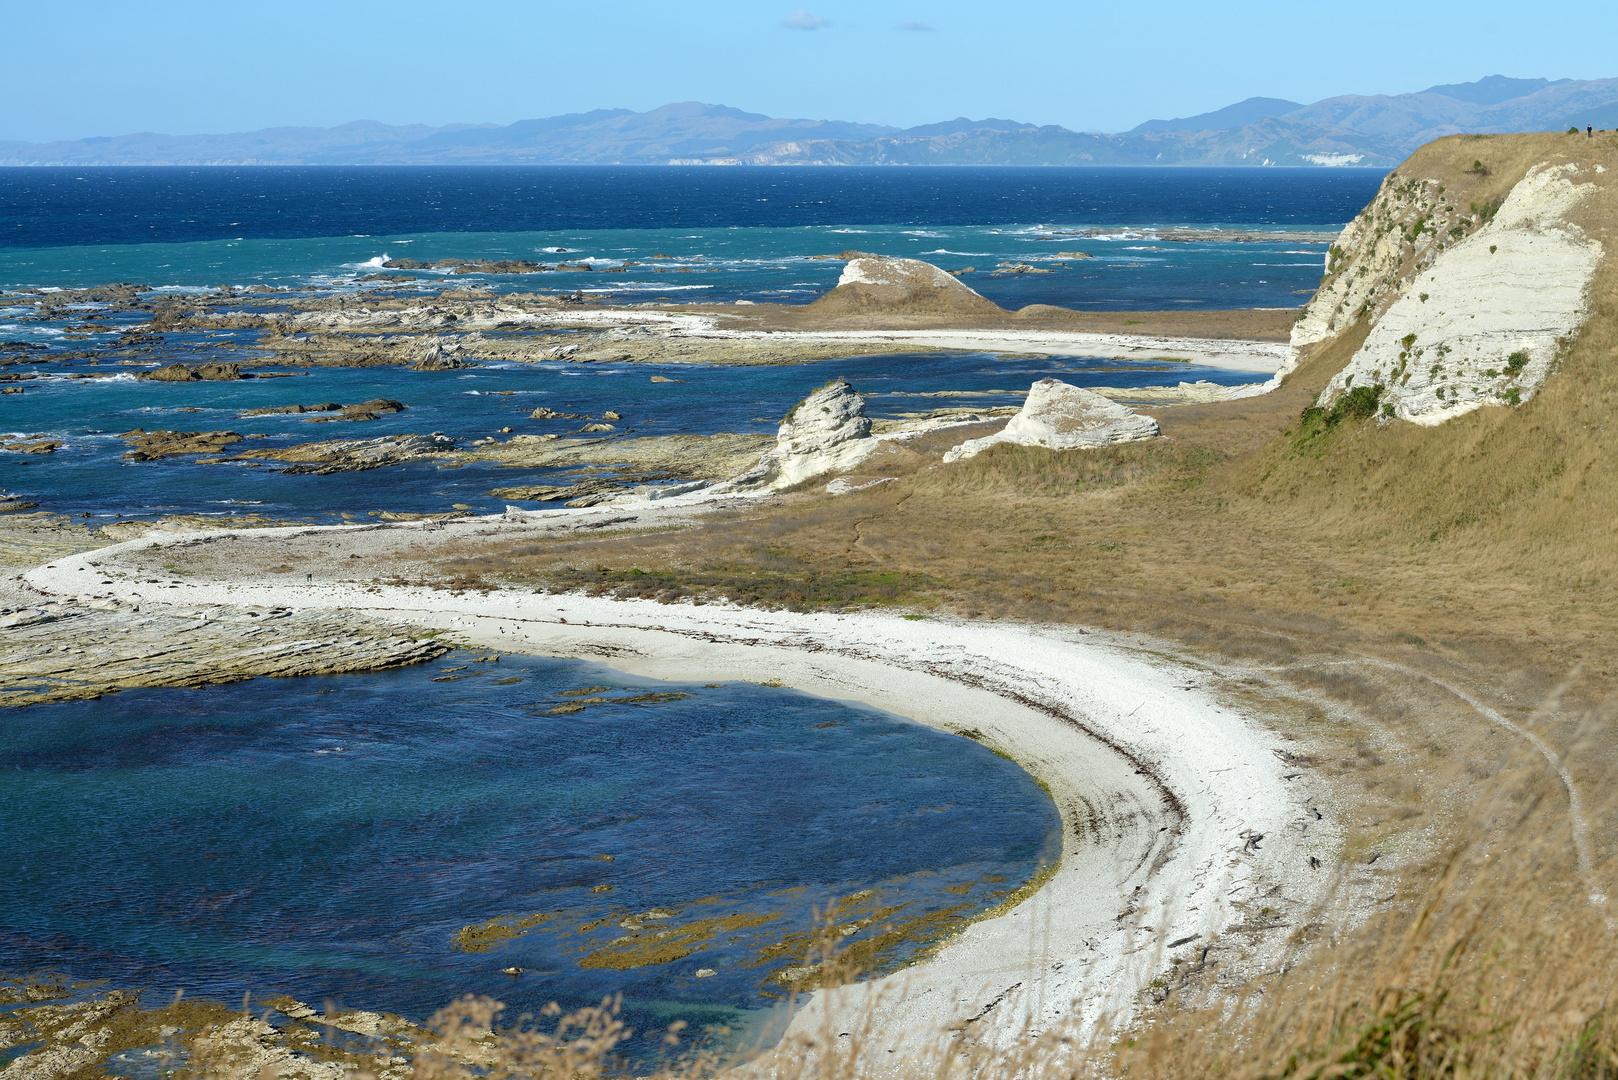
{"x":1127,"y":270}
{"x":330,"y":837}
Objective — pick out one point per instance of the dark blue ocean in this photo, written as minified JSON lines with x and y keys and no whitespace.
{"x":76,"y":207}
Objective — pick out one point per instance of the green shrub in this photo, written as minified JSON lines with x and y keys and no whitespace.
{"x":1387,"y":411}
{"x":1516,"y":362}
{"x":1359,"y":403}
{"x":1514,"y":396}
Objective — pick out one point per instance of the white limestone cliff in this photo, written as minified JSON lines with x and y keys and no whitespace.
{"x":1483,"y":322}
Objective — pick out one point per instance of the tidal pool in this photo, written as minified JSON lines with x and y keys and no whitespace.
{"x":391,"y":841}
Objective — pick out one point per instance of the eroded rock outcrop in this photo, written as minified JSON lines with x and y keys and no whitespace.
{"x":1482,"y":325}
{"x":875,"y":285}
{"x":827,"y":432}
{"x":1064,"y":417}
{"x":437,"y":358}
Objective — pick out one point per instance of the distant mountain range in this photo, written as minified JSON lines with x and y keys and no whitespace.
{"x":1377,"y":130}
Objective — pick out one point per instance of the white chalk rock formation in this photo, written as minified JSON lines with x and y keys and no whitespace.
{"x":1064,"y":417}
{"x":1481,"y":326}
{"x":827,"y":432}
{"x":875,"y":284}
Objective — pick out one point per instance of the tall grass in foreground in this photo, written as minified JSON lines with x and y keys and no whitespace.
{"x":1505,"y":967}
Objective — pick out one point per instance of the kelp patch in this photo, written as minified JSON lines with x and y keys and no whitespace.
{"x":579,"y":704}
{"x":649,"y":946}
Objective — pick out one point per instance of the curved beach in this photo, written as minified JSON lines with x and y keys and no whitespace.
{"x":1177,"y":810}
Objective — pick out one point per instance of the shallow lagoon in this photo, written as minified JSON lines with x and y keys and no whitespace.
{"x":334,"y":837}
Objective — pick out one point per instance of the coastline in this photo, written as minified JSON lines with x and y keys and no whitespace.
{"x":1176,"y":811}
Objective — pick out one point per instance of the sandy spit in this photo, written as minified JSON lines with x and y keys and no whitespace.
{"x":1180,"y":816}
{"x":1233,"y":355}
{"x":1256,"y":356}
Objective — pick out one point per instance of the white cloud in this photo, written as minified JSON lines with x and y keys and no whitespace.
{"x":912,"y":24}
{"x":802,"y":20}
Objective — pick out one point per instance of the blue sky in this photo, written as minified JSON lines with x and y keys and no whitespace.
{"x":73,"y":69}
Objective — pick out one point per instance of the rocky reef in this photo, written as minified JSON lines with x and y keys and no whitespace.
{"x":602,"y":469}
{"x":364,"y":410}
{"x":61,"y":650}
{"x":1064,"y":417}
{"x":349,"y":455}
{"x":155,"y":445}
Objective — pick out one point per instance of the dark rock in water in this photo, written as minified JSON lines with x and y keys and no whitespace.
{"x":171,"y":373}
{"x":542,"y":413}
{"x":499,"y":266}
{"x":200,"y":373}
{"x":469,"y":266}
{"x":152,"y":445}
{"x":23,"y":346}
{"x":13,"y":506}
{"x":365,"y":410}
{"x":38,"y":446}
{"x":328,"y":406}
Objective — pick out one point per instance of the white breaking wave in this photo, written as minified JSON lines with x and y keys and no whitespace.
{"x":645,"y":286}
